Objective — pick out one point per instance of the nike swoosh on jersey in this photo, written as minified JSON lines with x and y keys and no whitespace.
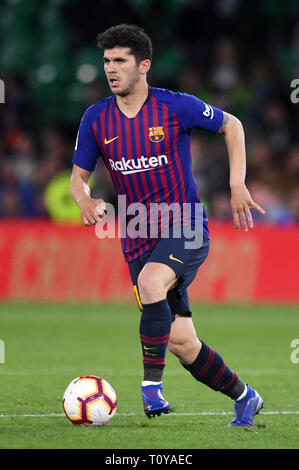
{"x":175,"y":259}
{"x":111,"y":140}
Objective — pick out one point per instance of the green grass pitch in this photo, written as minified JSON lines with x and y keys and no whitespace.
{"x":47,"y":345}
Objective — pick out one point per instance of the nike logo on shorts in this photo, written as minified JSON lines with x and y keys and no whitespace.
{"x":175,"y":259}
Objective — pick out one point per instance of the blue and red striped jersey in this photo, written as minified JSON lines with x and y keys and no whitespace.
{"x":148,"y":156}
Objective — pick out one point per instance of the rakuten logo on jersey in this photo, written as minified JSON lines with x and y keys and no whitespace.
{"x":127,"y":167}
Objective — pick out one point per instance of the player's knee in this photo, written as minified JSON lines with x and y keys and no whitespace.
{"x":151,"y":287}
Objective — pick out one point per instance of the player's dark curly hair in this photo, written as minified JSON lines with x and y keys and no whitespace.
{"x":127,"y":35}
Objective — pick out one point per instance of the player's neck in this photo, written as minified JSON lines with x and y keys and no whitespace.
{"x":131,"y":104}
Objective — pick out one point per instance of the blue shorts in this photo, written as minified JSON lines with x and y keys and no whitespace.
{"x":184,"y":262}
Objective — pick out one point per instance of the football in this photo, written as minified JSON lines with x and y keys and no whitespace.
{"x":89,"y":400}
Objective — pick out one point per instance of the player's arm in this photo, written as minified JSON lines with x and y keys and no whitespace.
{"x":241,"y":200}
{"x":92,"y":210}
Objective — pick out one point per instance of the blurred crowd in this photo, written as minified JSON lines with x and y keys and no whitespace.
{"x":232,"y":57}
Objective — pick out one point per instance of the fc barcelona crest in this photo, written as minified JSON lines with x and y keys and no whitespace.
{"x":156,"y":134}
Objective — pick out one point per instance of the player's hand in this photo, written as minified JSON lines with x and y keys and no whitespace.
{"x":241,"y":203}
{"x":92,"y":210}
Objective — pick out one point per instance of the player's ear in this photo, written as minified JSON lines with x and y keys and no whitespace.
{"x":144,"y":66}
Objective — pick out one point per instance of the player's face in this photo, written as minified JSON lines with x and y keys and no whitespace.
{"x":121,"y":70}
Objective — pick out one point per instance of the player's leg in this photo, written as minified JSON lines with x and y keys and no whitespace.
{"x":154,"y":281}
{"x":161,"y":273}
{"x":203,"y":362}
{"x":183,"y":341}
{"x":208,"y":367}
{"x":155,"y":322}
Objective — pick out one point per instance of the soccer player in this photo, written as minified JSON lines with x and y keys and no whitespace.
{"x":142,"y":133}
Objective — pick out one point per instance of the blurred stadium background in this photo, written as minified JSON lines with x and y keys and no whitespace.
{"x":237,"y":55}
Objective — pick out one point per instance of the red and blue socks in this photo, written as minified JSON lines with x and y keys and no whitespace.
{"x":210,"y":369}
{"x":155,"y":324}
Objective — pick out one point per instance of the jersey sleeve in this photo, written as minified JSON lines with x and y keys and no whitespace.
{"x":87,"y":150}
{"x":195,"y":113}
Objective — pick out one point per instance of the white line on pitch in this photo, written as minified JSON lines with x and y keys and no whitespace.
{"x":204,"y":413}
{"x":134,"y":373}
